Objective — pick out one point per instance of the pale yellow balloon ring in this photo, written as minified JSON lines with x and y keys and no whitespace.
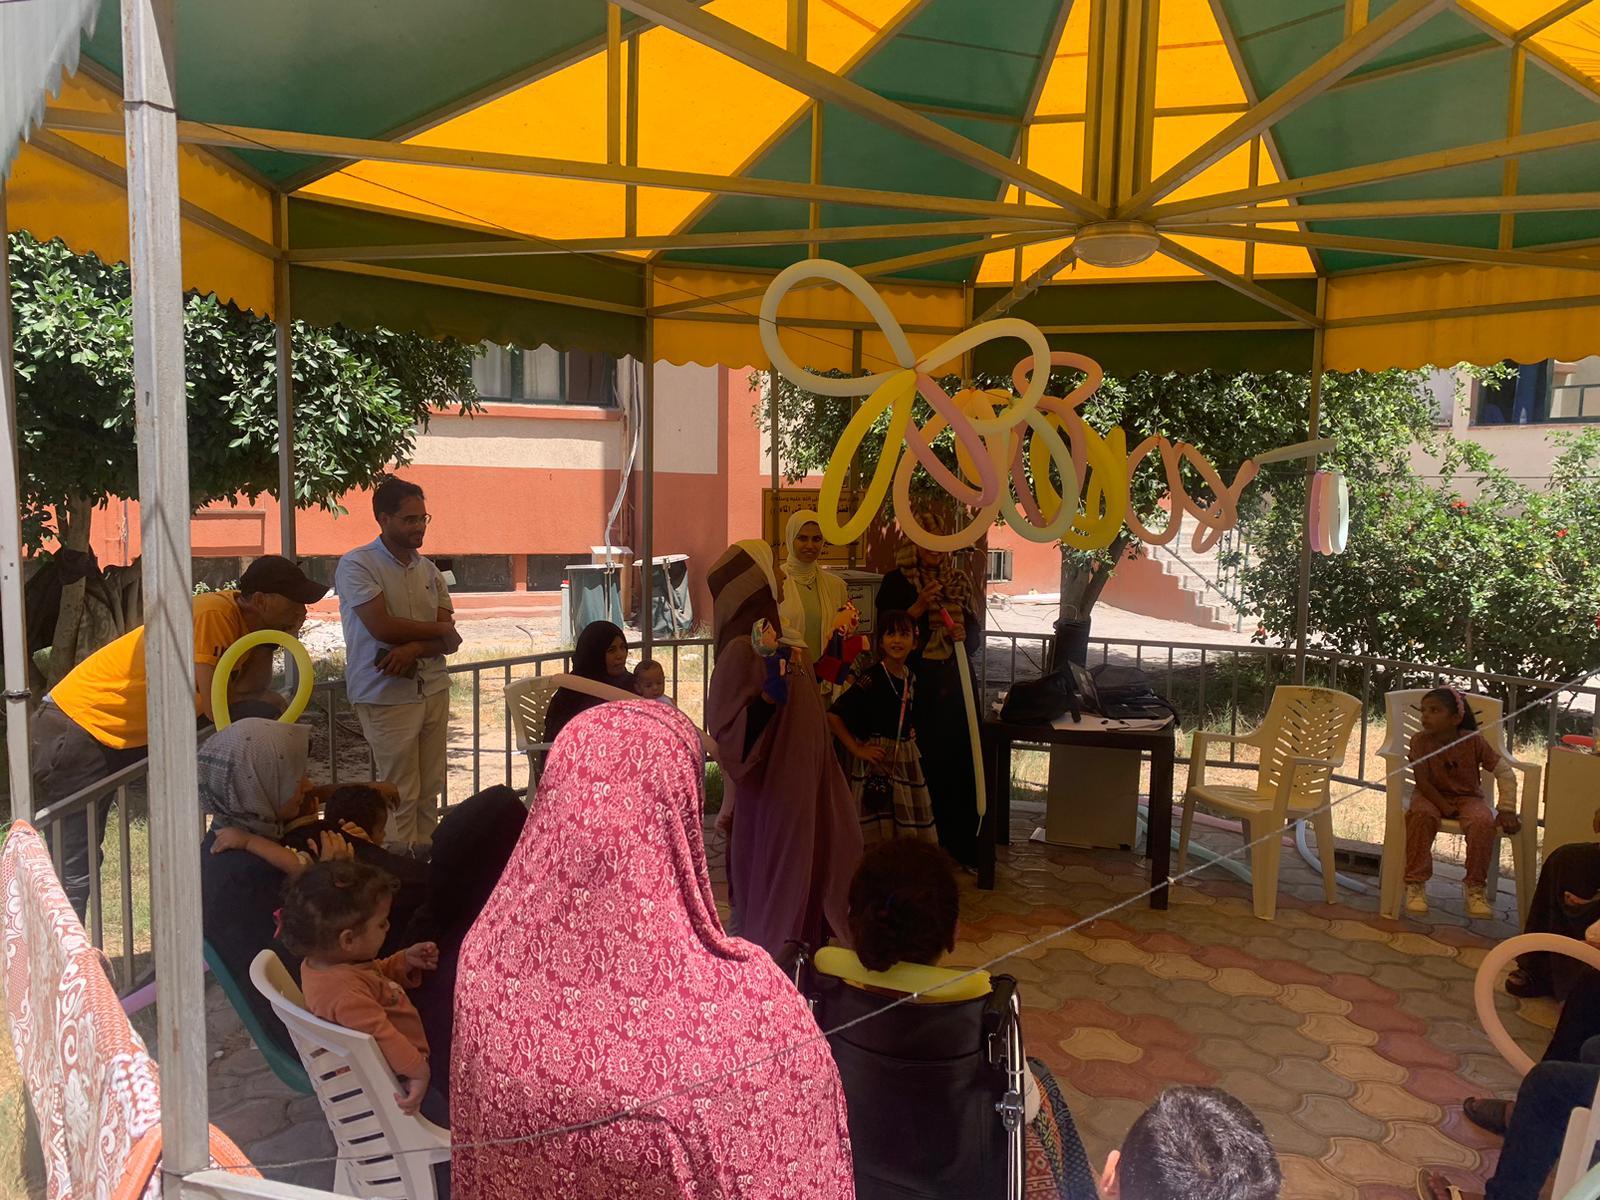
{"x":1489,"y":974}
{"x":230,"y":658}
{"x":1058,"y":523}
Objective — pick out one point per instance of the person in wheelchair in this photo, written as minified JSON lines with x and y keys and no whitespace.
{"x":935,"y":1080}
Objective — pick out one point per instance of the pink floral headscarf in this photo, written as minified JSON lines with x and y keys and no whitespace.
{"x":599,"y":979}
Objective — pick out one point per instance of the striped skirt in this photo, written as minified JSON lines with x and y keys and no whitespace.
{"x":892,"y":795}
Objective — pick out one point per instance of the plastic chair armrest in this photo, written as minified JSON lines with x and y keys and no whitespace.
{"x":1296,"y":764}
{"x":1201,"y":739}
{"x":1532,"y":787}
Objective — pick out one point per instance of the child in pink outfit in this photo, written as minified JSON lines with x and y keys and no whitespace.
{"x":336,"y":916}
{"x":1448,"y":757}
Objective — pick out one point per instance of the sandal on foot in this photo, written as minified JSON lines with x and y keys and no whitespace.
{"x":1432,"y":1185}
{"x":1520,"y":983}
{"x":1492,"y":1115}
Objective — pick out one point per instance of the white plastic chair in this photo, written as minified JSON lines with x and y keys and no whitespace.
{"x":527,"y":704}
{"x":383,"y":1152}
{"x":1302,"y":742}
{"x":1577,"y":1150}
{"x":1403,"y":711}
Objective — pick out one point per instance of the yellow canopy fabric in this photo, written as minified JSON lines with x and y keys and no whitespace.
{"x":820,"y":325}
{"x":83,"y":200}
{"x":1391,"y":318}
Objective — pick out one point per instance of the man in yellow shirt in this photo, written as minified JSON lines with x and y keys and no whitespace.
{"x":93,"y":723}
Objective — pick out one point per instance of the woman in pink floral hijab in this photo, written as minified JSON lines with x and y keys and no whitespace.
{"x":598,"y":981}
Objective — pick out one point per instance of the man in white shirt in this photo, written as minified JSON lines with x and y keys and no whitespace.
{"x":398,"y":626}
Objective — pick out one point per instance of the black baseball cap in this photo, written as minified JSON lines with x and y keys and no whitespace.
{"x":276,"y":574}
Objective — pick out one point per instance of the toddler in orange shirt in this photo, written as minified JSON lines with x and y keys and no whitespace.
{"x":336,"y":916}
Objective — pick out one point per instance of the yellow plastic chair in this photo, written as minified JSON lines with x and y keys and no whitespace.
{"x":1302,"y":742}
{"x":1404,"y":713}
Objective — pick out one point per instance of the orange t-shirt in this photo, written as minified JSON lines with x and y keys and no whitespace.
{"x":370,"y":997}
{"x":105,"y":693}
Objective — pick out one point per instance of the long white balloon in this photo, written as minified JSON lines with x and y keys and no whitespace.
{"x":1489,"y":975}
{"x":827,"y":269}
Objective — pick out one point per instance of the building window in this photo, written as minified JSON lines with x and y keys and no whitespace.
{"x":999,"y":566}
{"x":510,"y":375}
{"x":1543,"y":393}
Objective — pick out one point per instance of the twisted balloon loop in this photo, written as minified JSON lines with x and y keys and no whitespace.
{"x":993,"y":458}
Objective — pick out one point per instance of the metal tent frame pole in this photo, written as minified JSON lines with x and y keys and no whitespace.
{"x":283,"y":323}
{"x":647,"y":506}
{"x":1302,"y":613}
{"x":161,"y":427}
{"x":13,"y":615}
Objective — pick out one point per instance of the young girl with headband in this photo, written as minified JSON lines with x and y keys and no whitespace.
{"x":1448,"y":757}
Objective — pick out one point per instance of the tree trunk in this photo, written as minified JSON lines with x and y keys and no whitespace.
{"x":73,"y":523}
{"x":1082,"y":582}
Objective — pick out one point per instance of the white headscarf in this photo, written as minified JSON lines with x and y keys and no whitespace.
{"x":250,"y":771}
{"x":800,"y":572}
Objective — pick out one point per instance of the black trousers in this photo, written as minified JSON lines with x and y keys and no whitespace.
{"x":67,"y":759}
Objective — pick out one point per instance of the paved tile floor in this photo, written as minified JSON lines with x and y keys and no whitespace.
{"x":1352,"y":1037}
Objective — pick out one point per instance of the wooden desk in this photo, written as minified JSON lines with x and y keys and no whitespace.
{"x":1160,"y":744}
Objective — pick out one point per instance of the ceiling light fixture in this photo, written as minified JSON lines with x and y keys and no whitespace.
{"x":1116,"y":243}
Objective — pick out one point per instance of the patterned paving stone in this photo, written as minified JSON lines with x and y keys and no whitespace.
{"x":1100,"y":1045}
{"x":1262,"y":1013}
{"x":1258,"y":1091}
{"x":1307,"y":1179}
{"x":1289,"y":1137}
{"x":1361,"y":1162}
{"x":1227,"y":1054}
{"x":1306,"y":1000}
{"x":1335,"y":1119}
{"x":1357,"y":931}
{"x":1359,"y":1063}
{"x":1418,"y":945}
{"x":1236,"y":981}
{"x":1332,"y":1030}
{"x":1357,"y":988}
{"x":1412,"y":1050}
{"x":1308,"y":1077}
{"x":1415,"y":1143}
{"x":1178,"y":966}
{"x":1388,"y":1102}
{"x":1280,"y":1041}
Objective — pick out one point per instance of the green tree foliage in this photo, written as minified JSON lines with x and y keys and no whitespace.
{"x":1227,"y":417}
{"x":1474,"y":569}
{"x":360,"y":396}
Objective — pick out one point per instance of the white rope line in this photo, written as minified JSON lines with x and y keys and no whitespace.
{"x":645,"y":1106}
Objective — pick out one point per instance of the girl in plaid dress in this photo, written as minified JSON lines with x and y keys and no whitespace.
{"x":873,"y":720}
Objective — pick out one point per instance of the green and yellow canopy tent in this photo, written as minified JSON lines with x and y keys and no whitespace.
{"x":1417,"y":178}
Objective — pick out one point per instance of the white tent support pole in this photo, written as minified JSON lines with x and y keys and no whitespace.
{"x":647,"y":506}
{"x":13,"y":617}
{"x":1302,"y":611}
{"x":772,"y":440}
{"x":283,"y":324}
{"x":161,"y":428}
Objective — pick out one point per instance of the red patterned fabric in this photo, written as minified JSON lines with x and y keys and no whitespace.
{"x":93,"y":1086}
{"x":599,"y":978}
